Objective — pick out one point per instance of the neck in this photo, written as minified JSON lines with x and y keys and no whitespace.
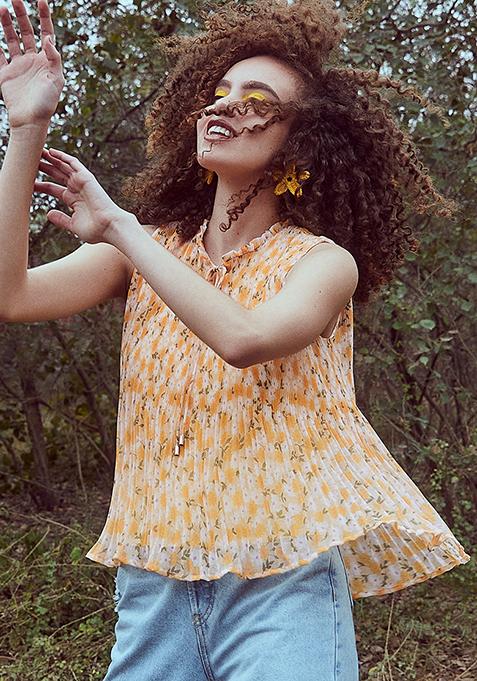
{"x":258,"y":216}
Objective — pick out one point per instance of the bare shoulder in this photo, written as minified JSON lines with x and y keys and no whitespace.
{"x":329,"y":259}
{"x":327,"y":273}
{"x":333,"y":250}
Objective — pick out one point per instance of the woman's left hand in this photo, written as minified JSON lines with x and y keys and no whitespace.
{"x":93,"y":210}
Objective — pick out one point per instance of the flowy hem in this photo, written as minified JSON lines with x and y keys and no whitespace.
{"x":438,"y":553}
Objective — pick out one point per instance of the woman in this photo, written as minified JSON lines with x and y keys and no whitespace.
{"x":252,"y":499}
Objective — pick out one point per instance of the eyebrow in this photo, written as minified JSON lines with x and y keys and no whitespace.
{"x":250,"y":85}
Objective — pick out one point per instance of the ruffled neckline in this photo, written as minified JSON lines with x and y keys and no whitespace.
{"x":248,"y":247}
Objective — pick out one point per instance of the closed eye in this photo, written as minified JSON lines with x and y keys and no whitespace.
{"x":253,"y":95}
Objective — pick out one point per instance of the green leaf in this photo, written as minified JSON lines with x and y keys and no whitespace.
{"x":76,"y":554}
{"x":398,"y":325}
{"x":427,"y":323}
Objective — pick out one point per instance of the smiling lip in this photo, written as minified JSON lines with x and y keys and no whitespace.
{"x":222,"y":123}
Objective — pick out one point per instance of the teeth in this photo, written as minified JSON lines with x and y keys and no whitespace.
{"x":219,"y":129}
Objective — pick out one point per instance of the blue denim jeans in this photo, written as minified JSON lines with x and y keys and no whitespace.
{"x":292,"y":626}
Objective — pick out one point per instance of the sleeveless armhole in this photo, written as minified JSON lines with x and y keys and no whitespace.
{"x":341,"y":315}
{"x":163,"y":232}
{"x":156,"y":232}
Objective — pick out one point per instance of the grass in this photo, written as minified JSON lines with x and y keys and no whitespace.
{"x":57,"y":617}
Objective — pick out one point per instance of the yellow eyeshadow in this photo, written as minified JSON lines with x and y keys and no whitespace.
{"x":257,"y":95}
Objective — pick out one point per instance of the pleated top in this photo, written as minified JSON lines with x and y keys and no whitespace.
{"x":256,"y":470}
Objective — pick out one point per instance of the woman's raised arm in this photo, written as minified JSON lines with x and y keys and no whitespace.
{"x":31,"y":84}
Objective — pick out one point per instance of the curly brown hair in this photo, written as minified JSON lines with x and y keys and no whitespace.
{"x":364,"y":169}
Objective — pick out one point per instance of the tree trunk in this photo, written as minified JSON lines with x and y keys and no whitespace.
{"x":43,"y":495}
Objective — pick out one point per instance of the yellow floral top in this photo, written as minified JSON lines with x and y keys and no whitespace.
{"x":256,"y":470}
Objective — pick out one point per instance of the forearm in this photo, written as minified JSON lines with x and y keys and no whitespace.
{"x":17,"y":176}
{"x":218,"y":320}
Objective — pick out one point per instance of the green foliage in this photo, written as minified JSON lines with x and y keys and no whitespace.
{"x":57,"y":608}
{"x":415,"y":633}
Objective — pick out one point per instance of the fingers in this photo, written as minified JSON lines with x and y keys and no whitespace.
{"x":53,"y":172}
{"x":50,"y":188}
{"x":58,"y":218}
{"x":47,"y":166}
{"x":65,"y":162}
{"x":26,"y":30}
{"x":3,"y":60}
{"x":46,"y":23}
{"x":53,"y":157}
{"x":11,"y":36}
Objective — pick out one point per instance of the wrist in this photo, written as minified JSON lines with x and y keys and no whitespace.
{"x":118,"y":226}
{"x":26,"y":130}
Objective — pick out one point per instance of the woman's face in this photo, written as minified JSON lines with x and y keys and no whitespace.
{"x":246,"y":156}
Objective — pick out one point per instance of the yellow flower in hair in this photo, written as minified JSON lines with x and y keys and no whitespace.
{"x":289,"y":181}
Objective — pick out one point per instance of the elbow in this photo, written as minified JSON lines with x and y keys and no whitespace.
{"x":243,"y":347}
{"x":8,"y":311}
{"x":245,"y":353}
{"x":237,"y":361}
{"x":9,"y":314}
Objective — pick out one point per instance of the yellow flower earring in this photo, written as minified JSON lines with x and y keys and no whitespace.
{"x":289,"y":181}
{"x":205,"y":177}
{"x":209,"y":176}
